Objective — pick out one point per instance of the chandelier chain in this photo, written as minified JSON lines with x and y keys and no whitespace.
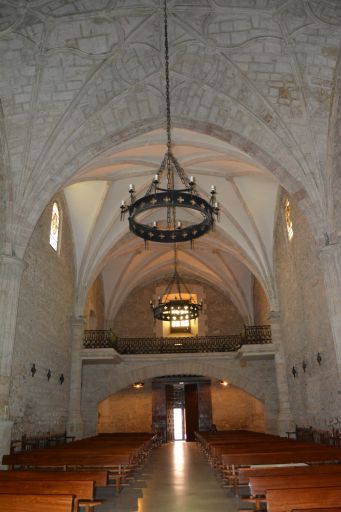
{"x":172,"y":199}
{"x":169,"y":137}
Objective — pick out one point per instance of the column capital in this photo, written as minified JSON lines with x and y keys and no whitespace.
{"x":16,"y":265}
{"x":78,"y":321}
{"x":330,"y":248}
{"x":274,"y":316}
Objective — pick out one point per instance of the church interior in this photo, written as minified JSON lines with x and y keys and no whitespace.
{"x":170,"y":238}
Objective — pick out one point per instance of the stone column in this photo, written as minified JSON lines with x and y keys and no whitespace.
{"x":285,"y":422}
{"x":75,"y":422}
{"x":11,"y":269}
{"x":330,"y":257}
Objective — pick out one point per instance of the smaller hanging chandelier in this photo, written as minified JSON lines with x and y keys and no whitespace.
{"x":171,"y":210}
{"x":173,"y":306}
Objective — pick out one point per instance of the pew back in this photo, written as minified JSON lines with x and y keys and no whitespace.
{"x":81,"y":490}
{"x":36,"y":503}
{"x":99,"y":477}
{"x":286,"y":500}
{"x":259,"y":485}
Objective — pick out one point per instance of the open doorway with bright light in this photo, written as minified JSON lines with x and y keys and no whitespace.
{"x":179,"y":434}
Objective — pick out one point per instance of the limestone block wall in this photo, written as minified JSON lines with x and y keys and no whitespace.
{"x":260,"y":305}
{"x":128,"y":410}
{"x":233,"y":408}
{"x":257,"y":377}
{"x":94,"y":307}
{"x":43,"y":332}
{"x":220,"y":315}
{"x":305,"y":325}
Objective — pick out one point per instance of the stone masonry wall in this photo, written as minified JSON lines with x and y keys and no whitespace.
{"x":221,"y":315}
{"x":260,"y":305}
{"x":94,"y":307}
{"x":128,"y":410}
{"x":43,"y":332}
{"x":305,"y":325}
{"x":232,"y":408}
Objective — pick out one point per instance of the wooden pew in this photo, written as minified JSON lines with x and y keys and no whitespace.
{"x":328,"y":509}
{"x":273,"y":457}
{"x":100,"y":478}
{"x":118,"y":465}
{"x":259,"y":485}
{"x":119,"y":454}
{"x":231,"y":463}
{"x":228,"y":451}
{"x":246,"y":473}
{"x":287,"y":500}
{"x":35,"y":503}
{"x":83,"y":491}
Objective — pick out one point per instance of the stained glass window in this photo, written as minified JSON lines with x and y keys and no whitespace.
{"x":288,"y":221}
{"x":55,"y":226}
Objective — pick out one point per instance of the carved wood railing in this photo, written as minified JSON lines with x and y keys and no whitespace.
{"x":260,"y":334}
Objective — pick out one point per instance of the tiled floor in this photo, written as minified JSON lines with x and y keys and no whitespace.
{"x":177,"y":478}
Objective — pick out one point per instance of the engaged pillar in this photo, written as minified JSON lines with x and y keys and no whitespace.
{"x":285,"y":422}
{"x":75,"y":422}
{"x":11,"y":269}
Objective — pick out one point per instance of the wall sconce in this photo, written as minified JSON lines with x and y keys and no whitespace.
{"x":33,"y":370}
{"x":294,"y":372}
{"x":138,"y":385}
{"x":48,"y":375}
{"x":224,"y":383}
{"x":61,"y":378}
{"x":304,"y":365}
{"x":319,"y":358}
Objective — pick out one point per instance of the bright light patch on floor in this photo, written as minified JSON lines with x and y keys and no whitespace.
{"x":178,"y":434}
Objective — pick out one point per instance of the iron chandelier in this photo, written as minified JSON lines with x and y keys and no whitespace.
{"x":179,"y":308}
{"x":154,"y":217}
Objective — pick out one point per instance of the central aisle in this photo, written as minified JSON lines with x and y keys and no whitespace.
{"x":177,"y":478}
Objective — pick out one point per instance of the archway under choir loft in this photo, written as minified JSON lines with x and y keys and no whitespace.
{"x":178,"y":405}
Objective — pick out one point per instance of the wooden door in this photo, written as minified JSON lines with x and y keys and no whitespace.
{"x":204,"y":406}
{"x":192,"y":415}
{"x":159,"y":410}
{"x":170,"y":411}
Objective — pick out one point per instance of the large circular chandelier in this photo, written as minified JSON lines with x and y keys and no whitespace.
{"x":176,"y":305}
{"x":155,"y":216}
